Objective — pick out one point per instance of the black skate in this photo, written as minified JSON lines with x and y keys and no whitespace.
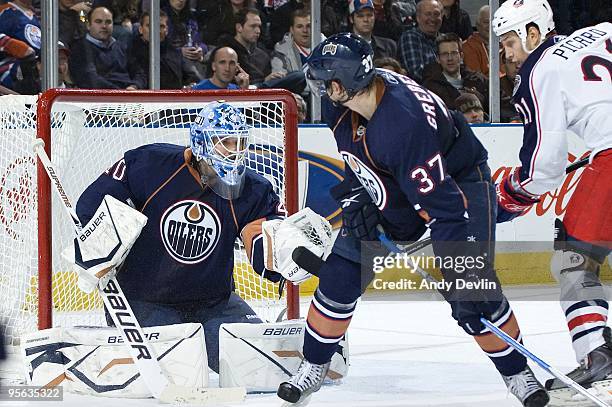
{"x":595,"y":367}
{"x":306,"y":381}
{"x":527,"y":389}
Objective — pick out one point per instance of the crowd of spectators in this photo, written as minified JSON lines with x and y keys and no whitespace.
{"x":249,"y":44}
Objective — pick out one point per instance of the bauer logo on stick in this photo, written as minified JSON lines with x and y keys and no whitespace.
{"x":190,"y":231}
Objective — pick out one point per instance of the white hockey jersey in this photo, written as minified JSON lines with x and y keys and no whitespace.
{"x":566,"y":83}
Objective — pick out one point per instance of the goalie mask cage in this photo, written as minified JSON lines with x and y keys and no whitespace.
{"x":85,"y":132}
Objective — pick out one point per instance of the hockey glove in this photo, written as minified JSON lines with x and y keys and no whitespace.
{"x":469,"y":305}
{"x":360,"y":216}
{"x":512,"y":199}
{"x":303,"y":230}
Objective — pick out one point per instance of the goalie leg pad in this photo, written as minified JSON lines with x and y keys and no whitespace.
{"x":95,"y":361}
{"x":232,"y":310}
{"x":261,"y":356}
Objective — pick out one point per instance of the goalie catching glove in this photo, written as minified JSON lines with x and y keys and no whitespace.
{"x":282,"y":236}
{"x":104,"y":242}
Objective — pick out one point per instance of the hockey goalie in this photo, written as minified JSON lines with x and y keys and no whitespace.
{"x":163,"y":220}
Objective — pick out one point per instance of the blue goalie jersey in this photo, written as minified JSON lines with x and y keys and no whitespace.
{"x":185,"y":253}
{"x":408,"y":157}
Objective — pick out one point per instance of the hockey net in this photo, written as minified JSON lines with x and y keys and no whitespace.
{"x":87,"y":131}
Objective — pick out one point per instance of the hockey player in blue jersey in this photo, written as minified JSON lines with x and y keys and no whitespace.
{"x":197,"y":201}
{"x":411,"y":164}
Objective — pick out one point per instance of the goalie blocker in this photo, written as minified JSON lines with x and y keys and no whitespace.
{"x":104,"y":242}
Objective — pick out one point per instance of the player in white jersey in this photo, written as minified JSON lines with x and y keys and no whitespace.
{"x":565,"y":83}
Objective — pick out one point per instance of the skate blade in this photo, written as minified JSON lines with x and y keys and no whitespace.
{"x":567,"y":397}
{"x":300,"y":403}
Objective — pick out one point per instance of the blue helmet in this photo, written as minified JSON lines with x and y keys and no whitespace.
{"x":344,"y":57}
{"x":219,"y":142}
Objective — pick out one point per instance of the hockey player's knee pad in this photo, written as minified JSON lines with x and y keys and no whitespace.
{"x":573,"y":256}
{"x":340,"y":279}
{"x":575,"y":267}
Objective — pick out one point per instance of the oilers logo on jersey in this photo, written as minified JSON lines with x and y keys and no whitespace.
{"x":368,"y":178}
{"x":190,"y":231}
{"x":32,"y":35}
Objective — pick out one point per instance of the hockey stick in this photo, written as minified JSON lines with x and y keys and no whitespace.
{"x":553,"y":371}
{"x":577,"y":164}
{"x":507,"y":338}
{"x":312,"y":263}
{"x":130,"y":330}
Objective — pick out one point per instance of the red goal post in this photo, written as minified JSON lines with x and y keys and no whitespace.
{"x":48,"y":120}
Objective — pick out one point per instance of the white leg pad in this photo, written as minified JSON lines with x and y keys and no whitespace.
{"x":261,"y":356}
{"x":95,"y":361}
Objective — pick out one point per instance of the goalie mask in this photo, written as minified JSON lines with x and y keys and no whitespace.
{"x":220,"y":142}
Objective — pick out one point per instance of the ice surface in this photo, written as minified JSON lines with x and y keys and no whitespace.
{"x":413,"y":354}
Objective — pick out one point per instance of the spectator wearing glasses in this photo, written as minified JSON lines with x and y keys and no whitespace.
{"x":448,"y":78}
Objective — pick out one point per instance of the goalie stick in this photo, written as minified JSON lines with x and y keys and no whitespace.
{"x":130,"y":330}
{"x":391,"y":246}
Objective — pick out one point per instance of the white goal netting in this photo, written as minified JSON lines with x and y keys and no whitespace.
{"x":86,"y":139}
